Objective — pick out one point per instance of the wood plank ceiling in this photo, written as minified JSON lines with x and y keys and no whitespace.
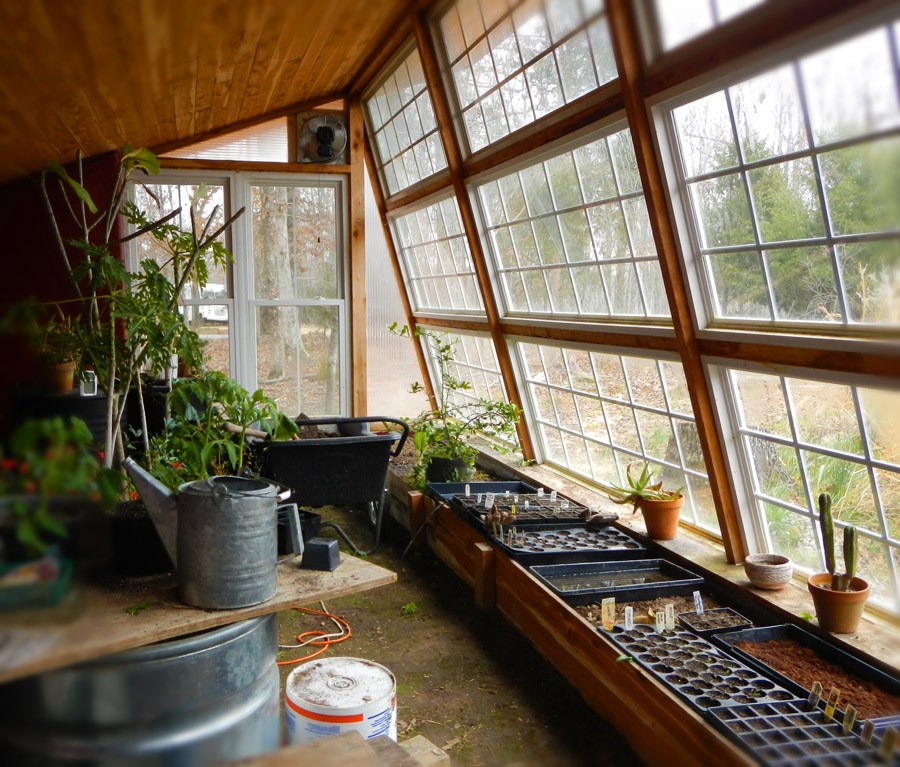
{"x":93,"y":74}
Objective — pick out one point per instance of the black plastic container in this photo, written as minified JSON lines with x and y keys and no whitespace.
{"x":584,"y":583}
{"x":309,"y":528}
{"x":694,"y":622}
{"x":692,"y":667}
{"x":847,"y":662}
{"x":789,"y":733}
{"x":558,"y":544}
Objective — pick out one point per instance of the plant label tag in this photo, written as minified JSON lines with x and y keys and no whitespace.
{"x":563,"y":504}
{"x":478,"y":500}
{"x":608,"y":608}
{"x":468,"y":491}
{"x":814,"y":694}
{"x":660,"y":623}
{"x":888,"y":743}
{"x":698,"y":603}
{"x":670,"y":617}
{"x":849,"y":719}
{"x":489,"y":500}
{"x":516,"y":498}
{"x":831,"y":704}
{"x":868,"y":729}
{"x":629,"y":618}
{"x":512,"y":509}
{"x":553,"y":496}
{"x":526,"y":503}
{"x":540,"y":492}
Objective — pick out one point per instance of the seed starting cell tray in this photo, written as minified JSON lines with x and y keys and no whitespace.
{"x":583,"y":583}
{"x":695,"y":669}
{"x":790,"y":733}
{"x":548,"y":544}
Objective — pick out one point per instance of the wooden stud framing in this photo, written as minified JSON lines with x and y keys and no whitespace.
{"x":357,"y":297}
{"x":629,"y":60}
{"x":455,"y":162}
{"x":485,"y":561}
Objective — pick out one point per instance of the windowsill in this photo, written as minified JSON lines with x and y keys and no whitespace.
{"x":878,"y":636}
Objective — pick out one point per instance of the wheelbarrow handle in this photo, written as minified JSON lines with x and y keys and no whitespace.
{"x":361,"y":419}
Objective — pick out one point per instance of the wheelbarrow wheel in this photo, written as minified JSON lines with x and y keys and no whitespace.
{"x":372,"y":514}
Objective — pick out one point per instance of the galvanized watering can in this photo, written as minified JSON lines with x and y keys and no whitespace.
{"x":222,"y":535}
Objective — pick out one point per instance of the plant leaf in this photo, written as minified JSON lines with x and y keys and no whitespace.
{"x":80,"y":192}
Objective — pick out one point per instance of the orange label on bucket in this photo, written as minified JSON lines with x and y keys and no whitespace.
{"x":332,"y":718}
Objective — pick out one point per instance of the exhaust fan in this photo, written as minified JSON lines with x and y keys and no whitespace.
{"x":322,"y":139}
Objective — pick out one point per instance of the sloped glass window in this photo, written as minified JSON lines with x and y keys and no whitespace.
{"x":801,"y":437}
{"x":436,"y":260}
{"x":401,"y":118}
{"x":793,"y":182}
{"x":570,"y":236}
{"x":511,"y":64}
{"x":678,"y":21}
{"x":595,"y":412}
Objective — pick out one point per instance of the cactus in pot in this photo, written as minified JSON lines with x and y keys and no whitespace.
{"x":839,"y":581}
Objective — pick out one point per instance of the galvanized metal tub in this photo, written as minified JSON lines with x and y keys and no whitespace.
{"x":227,"y":542}
{"x":203,"y":700}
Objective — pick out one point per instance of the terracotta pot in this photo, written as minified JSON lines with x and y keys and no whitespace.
{"x":661,"y":517}
{"x":61,"y":378}
{"x":838,"y":611}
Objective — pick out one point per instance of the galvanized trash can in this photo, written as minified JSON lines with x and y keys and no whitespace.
{"x":201,"y":701}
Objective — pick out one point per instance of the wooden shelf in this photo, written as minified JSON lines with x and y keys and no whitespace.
{"x":100,"y":623}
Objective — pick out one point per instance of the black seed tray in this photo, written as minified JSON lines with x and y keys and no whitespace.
{"x":540,"y":510}
{"x":693,"y":622}
{"x":587,"y":580}
{"x":549,"y":544}
{"x":695,"y":669}
{"x":849,"y":663}
{"x":445,"y":491}
{"x":789,"y":733}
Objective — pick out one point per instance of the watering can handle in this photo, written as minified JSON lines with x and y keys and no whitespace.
{"x":219,"y":492}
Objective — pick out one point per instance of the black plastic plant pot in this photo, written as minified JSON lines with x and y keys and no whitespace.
{"x":711,"y":622}
{"x":309,"y":528}
{"x":789,"y":733}
{"x":584,"y":583}
{"x":826,"y":651}
{"x":566,"y":543}
{"x":693,"y":668}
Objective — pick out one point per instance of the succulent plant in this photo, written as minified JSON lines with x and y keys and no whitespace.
{"x":839,"y":581}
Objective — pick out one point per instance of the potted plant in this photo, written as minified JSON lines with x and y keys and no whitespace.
{"x":441,"y":433}
{"x":839,"y":598}
{"x":660,"y":508}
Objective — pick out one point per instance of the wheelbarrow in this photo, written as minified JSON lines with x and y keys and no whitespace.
{"x":346,"y":470}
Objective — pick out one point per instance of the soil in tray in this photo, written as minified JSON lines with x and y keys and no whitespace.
{"x":713,"y":620}
{"x":645,"y":610}
{"x":805,"y":667}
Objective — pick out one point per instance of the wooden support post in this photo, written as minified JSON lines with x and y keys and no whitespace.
{"x":359,"y":389}
{"x":485,"y":576}
{"x":416,"y":505}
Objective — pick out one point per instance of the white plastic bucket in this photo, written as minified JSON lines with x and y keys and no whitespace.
{"x":329,"y":696}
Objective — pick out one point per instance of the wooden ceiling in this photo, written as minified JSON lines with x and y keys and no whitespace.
{"x":93,"y":74}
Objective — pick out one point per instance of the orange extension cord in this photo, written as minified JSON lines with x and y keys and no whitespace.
{"x":325,"y":643}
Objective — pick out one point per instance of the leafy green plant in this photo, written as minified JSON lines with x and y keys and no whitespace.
{"x":206,"y":433}
{"x":839,"y":581}
{"x":46,"y":460}
{"x":409,"y":608}
{"x":444,"y":430}
{"x":639,"y":488}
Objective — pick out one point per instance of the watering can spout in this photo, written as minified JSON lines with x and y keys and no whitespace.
{"x":160,"y":503}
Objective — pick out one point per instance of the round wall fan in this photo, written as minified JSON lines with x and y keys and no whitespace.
{"x":322,"y":138}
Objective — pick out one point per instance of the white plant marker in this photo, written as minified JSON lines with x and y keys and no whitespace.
{"x":814,"y":694}
{"x":670,"y":617}
{"x":478,"y":499}
{"x":660,"y":623}
{"x":608,"y":608}
{"x":849,"y":718}
{"x":563,"y":504}
{"x":489,"y":500}
{"x":698,"y":603}
{"x":553,"y":496}
{"x":888,"y":742}
{"x":468,"y":491}
{"x":526,"y":503}
{"x":868,"y":730}
{"x":540,"y":492}
{"x":629,"y":618}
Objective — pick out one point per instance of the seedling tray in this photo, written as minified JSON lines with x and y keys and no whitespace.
{"x":789,"y":733}
{"x":558,"y":544}
{"x":694,"y":622}
{"x":448,"y":491}
{"x":32,"y":595}
{"x":823,"y":649}
{"x":583,"y":583}
{"x":691,"y":666}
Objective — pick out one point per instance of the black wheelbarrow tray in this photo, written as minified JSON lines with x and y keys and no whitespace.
{"x":337,"y":471}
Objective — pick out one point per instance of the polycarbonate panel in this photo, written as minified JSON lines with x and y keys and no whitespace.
{"x":597,"y":412}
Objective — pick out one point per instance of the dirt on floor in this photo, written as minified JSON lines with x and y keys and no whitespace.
{"x":466,"y":680}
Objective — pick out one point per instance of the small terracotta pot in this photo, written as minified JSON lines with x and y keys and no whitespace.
{"x":838,"y":611}
{"x":661,"y":517}
{"x":768,"y":571}
{"x":60,"y":378}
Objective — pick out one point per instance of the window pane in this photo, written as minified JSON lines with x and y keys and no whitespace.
{"x":682,"y":20}
{"x":211,"y":322}
{"x":298,"y":357}
{"x":538,"y":221}
{"x":535,"y":59}
{"x":597,"y":412}
{"x":407,"y":145}
{"x":294,"y":242}
{"x":761,"y":168}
